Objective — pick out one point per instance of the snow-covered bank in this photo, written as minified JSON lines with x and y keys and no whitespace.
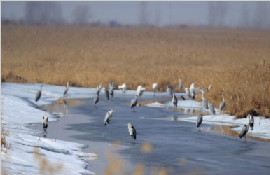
{"x":261,"y":125}
{"x":19,"y":109}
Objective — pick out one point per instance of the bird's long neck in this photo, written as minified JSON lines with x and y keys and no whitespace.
{"x":223,"y":97}
{"x":203,"y":95}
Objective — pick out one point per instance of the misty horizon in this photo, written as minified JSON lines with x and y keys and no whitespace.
{"x":217,"y":14}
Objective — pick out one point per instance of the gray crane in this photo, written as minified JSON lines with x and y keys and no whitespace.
{"x":204,"y":101}
{"x":169,"y":90}
{"x":211,"y":108}
{"x":106,"y":92}
{"x":96,"y":99}
{"x":222,"y":104}
{"x":45,"y":122}
{"x":108,"y":117}
{"x":244,"y":131}
{"x":111,"y":84}
{"x":111,"y":91}
{"x":38,"y":95}
{"x":98,"y":88}
{"x":251,"y":121}
{"x":132,"y":131}
{"x":199,"y":120}
{"x":66,"y":90}
{"x":180,"y":84}
{"x":111,"y":87}
{"x":134,"y":101}
{"x":174,"y":100}
{"x":187,"y":92}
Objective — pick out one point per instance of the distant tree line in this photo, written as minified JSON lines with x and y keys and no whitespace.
{"x":218,"y":12}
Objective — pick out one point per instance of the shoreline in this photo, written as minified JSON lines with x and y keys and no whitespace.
{"x":28,"y":150}
{"x":20,"y":97}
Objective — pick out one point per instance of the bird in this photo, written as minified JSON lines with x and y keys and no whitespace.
{"x":192,"y":91}
{"x":187,"y":91}
{"x":45,"y":122}
{"x":66,"y":90}
{"x":106,"y":92}
{"x":96,"y":99}
{"x":134,"y":101}
{"x":211,"y":108}
{"x":180,"y":84}
{"x":182,"y":97}
{"x":251,"y":121}
{"x":174,"y":100}
{"x":155,"y":87}
{"x":140,"y":90}
{"x":222,"y":104}
{"x":209,"y":87}
{"x":38,"y":95}
{"x":244,"y":131}
{"x":204,"y":101}
{"x":111,"y":91}
{"x":111,"y":87}
{"x":123,"y":87}
{"x":132,"y":131}
{"x":98,"y":88}
{"x":108,"y":117}
{"x":169,"y":90}
{"x":199,"y":120}
{"x":111,"y":84}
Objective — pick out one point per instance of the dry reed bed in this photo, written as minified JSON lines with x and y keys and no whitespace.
{"x":234,"y":61}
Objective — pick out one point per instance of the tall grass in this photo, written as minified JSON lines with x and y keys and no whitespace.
{"x":236,"y":62}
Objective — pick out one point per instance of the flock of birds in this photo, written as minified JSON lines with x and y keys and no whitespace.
{"x":191,"y":92}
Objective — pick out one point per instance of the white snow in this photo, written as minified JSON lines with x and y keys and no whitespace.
{"x":19,"y":109}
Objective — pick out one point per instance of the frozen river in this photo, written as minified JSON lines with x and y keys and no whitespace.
{"x":163,"y":143}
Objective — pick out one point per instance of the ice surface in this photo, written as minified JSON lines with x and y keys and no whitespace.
{"x":261,"y":124}
{"x":19,"y":109}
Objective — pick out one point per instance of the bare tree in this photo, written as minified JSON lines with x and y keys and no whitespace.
{"x":217,"y":13}
{"x":81,"y":14}
{"x":43,"y":12}
{"x":245,"y":19}
{"x":143,"y":13}
{"x":261,"y":17}
{"x":157,"y":17}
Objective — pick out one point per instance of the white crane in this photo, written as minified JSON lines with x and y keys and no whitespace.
{"x":140,"y":90}
{"x":155,"y":87}
{"x":123,"y":87}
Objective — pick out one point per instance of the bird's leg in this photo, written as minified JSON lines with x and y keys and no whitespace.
{"x":245,"y":139}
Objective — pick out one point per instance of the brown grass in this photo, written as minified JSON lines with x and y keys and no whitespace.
{"x":234,"y":61}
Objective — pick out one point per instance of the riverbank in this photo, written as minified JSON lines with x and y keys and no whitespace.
{"x":29,"y":151}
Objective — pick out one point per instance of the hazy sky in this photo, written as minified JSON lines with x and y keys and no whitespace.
{"x":159,"y":13}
